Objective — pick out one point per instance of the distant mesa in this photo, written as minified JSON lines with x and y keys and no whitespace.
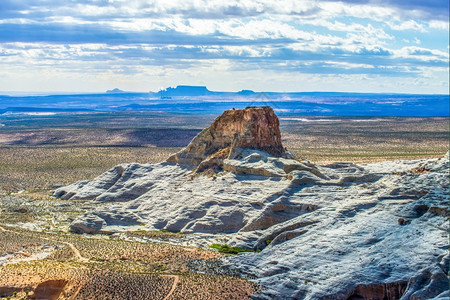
{"x":184,"y":90}
{"x":197,"y":91}
{"x":246,"y":92}
{"x":115,"y":91}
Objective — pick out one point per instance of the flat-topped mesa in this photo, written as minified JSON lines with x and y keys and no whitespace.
{"x":250,"y":128}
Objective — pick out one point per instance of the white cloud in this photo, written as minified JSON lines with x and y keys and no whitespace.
{"x":332,"y":9}
{"x":407,"y":25}
{"x":138,"y":37}
{"x":423,"y":54}
{"x":441,"y":25}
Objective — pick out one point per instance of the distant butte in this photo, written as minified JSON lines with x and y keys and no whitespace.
{"x":115,"y":91}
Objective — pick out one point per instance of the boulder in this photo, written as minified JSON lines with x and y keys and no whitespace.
{"x":89,"y":223}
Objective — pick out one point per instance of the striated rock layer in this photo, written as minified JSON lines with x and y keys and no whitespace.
{"x":249,"y":128}
{"x":339,"y":231}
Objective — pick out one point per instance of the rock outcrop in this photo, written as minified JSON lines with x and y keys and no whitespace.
{"x":352,"y":246}
{"x":250,"y":128}
{"x":50,"y":289}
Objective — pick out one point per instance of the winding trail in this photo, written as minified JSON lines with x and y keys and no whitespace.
{"x":75,"y":251}
{"x":80,"y":258}
{"x":176,"y":278}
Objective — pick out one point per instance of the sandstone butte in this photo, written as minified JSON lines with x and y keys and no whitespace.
{"x":336,"y":231}
{"x":250,"y":128}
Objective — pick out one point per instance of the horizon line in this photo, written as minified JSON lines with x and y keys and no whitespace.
{"x":62,"y":93}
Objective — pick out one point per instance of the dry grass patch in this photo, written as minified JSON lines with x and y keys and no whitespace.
{"x":209,"y":287}
{"x":48,"y":167}
{"x":115,"y":269}
{"x":366,"y":139}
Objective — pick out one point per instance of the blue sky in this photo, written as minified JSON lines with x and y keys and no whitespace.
{"x":265,"y":45}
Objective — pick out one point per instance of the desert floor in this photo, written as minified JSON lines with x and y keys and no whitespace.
{"x":38,"y":256}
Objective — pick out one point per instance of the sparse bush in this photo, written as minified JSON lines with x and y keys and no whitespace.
{"x":230,"y":250}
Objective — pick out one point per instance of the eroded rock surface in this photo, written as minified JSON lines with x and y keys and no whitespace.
{"x":352,"y":246}
{"x":326,"y":232}
{"x":50,"y":289}
{"x":249,"y":128}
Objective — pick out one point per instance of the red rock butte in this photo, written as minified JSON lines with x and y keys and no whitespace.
{"x":250,"y":128}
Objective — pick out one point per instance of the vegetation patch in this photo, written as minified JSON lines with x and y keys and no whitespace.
{"x":229,"y":250}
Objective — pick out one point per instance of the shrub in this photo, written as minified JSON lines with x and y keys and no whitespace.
{"x":229,"y":250}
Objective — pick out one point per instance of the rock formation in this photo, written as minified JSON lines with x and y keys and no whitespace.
{"x":50,"y":289}
{"x":326,"y":232}
{"x":234,"y":130}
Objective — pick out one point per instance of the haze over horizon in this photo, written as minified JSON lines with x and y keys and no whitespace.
{"x":373,"y":46}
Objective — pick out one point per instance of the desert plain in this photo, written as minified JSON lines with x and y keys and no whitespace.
{"x":39,"y":256}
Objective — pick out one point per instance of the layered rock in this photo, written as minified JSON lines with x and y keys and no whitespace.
{"x":250,"y":128}
{"x":351,"y":246}
{"x":326,"y":232}
{"x":332,"y":230}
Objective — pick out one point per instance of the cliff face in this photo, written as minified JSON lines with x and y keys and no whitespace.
{"x":250,"y":128}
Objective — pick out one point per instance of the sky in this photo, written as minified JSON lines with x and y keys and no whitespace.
{"x":381,"y":46}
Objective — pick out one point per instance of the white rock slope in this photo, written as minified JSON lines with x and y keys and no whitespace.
{"x":386,"y":239}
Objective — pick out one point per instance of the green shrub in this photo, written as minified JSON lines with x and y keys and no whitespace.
{"x":229,"y":250}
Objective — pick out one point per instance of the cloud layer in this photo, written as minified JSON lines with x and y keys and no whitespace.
{"x":385,"y":45}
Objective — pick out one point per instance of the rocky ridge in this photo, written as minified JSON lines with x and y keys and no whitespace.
{"x":326,"y":232}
